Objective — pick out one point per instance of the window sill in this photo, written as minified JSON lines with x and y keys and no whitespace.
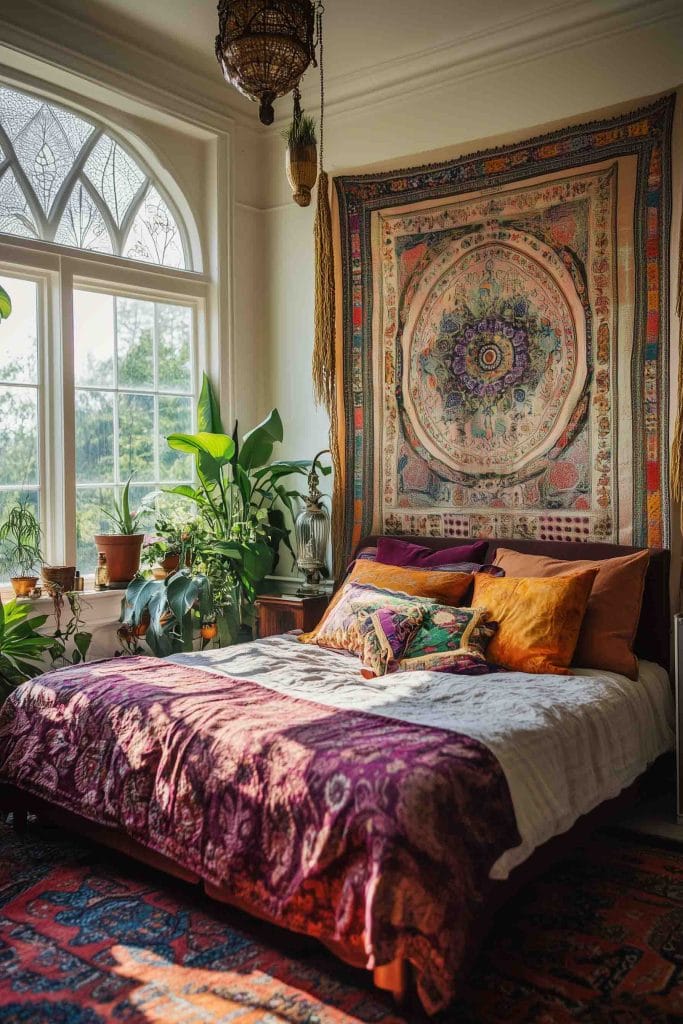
{"x":45,"y":601}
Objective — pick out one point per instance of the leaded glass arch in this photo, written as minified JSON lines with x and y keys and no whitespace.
{"x":65,"y":179}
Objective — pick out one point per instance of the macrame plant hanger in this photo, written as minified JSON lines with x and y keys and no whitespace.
{"x":324,"y":376}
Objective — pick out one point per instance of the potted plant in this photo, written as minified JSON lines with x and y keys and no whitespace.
{"x":168,"y":547}
{"x":302,"y":157}
{"x":122,"y":549}
{"x":22,"y":646}
{"x":20,"y":537}
{"x":241,"y":502}
{"x":169,"y":613}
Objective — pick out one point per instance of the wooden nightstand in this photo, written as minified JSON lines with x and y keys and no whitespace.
{"x":284,"y":609}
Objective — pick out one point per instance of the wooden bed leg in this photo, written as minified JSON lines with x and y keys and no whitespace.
{"x":19,"y":819}
{"x":393,"y":977}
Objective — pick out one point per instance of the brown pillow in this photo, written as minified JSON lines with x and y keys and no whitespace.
{"x":609,"y":627}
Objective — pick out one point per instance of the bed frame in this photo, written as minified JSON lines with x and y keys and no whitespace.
{"x":653,"y":642}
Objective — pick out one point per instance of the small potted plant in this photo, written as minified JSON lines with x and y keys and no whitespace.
{"x":20,"y":537}
{"x":302,"y":157}
{"x":168,"y":548}
{"x":122,"y":548}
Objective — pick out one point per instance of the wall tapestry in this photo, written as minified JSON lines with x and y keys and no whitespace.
{"x":504,"y":339}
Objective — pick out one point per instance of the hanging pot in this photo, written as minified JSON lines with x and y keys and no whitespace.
{"x":58,"y":579}
{"x":302,"y":171}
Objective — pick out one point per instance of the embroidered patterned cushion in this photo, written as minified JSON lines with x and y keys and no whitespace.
{"x":385,"y":635}
{"x":447,"y":632}
{"x":458,"y":663}
{"x":445,"y":587}
{"x":339,"y":629}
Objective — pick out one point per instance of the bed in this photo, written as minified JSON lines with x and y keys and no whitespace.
{"x":387,"y":818}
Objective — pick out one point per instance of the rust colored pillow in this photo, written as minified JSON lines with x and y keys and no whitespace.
{"x":444,"y":587}
{"x":538,"y":619}
{"x":611,"y":620}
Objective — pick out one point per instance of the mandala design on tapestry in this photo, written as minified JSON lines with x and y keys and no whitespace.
{"x":494,"y":355}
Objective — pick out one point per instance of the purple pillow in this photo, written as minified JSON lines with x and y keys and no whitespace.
{"x":393,"y":551}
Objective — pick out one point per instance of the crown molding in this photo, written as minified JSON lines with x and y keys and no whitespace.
{"x":513,"y":41}
{"x":39,"y":29}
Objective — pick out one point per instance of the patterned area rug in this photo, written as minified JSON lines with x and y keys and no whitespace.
{"x":86,"y":937}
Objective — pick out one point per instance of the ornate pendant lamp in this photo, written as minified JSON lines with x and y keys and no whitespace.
{"x":265,"y":46}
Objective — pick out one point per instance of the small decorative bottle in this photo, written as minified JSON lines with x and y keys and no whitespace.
{"x":101,"y":572}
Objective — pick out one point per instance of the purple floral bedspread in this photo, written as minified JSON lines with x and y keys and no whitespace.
{"x":373,"y":834}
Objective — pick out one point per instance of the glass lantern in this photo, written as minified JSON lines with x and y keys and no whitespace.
{"x":312,"y":536}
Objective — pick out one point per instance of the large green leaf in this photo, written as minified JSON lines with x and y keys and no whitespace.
{"x":212,"y":451}
{"x":257,"y":445}
{"x":5,"y":304}
{"x":257,"y":560}
{"x":208,"y":411}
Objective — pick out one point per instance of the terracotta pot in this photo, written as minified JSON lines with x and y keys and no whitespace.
{"x":58,"y":578}
{"x":142,"y":627}
{"x":23,"y":585}
{"x":301,"y":163}
{"x":170,"y":563}
{"x":122,"y":552}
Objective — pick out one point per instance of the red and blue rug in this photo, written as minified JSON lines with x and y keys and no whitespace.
{"x":86,"y":938}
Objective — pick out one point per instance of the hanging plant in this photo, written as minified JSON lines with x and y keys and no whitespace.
{"x":302,"y":155}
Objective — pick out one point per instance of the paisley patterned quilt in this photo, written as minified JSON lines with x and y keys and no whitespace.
{"x":374,"y":834}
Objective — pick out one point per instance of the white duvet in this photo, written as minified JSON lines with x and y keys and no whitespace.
{"x":565,"y":743}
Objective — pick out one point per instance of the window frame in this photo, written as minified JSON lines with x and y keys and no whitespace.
{"x":59,"y":270}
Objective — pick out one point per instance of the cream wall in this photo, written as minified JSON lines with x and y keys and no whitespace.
{"x":422,"y":126}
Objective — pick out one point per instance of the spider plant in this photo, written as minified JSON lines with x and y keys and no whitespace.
{"x":20,"y":538}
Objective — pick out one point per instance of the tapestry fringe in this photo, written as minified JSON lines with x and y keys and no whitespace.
{"x":324,"y":376}
{"x":677,"y":447}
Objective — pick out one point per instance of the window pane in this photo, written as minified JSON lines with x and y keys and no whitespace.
{"x":18,"y":435}
{"x":175,"y":417}
{"x":19,"y":334}
{"x":91,"y":520}
{"x":94,"y":338}
{"x":135,"y":340}
{"x":136,"y":437}
{"x":94,"y":436}
{"x":133,"y":354}
{"x":174,"y":327}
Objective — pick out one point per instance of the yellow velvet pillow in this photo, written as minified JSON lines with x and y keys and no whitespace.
{"x":538,"y":619}
{"x":444,"y":587}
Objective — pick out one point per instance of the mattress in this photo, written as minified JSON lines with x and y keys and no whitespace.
{"x":565,"y":743}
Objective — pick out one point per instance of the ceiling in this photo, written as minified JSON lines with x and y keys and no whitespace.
{"x":369,"y":44}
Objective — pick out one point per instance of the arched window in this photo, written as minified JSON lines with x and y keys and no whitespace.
{"x":100,"y":358}
{"x":65,"y":179}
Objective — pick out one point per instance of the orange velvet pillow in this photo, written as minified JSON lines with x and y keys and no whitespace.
{"x":444,"y":587}
{"x":609,"y":627}
{"x":538,"y":619}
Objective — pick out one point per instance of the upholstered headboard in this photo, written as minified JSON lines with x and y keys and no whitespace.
{"x":654,"y":629}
